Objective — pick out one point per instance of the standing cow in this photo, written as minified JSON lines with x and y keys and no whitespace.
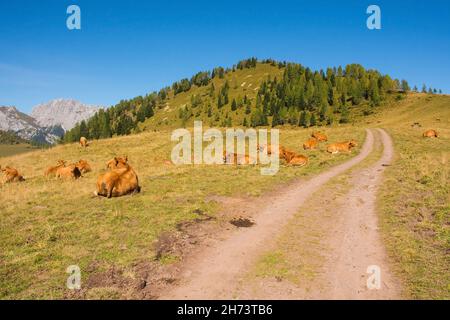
{"x":83,"y":142}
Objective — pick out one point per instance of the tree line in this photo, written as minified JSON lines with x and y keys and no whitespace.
{"x":300,"y":97}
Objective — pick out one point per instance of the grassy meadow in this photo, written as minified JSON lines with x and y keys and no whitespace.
{"x":7,"y":150}
{"x":49,"y":224}
{"x":415,"y":199}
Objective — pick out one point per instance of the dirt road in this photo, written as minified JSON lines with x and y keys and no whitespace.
{"x":217,"y":272}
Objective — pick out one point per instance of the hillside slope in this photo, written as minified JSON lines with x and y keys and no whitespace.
{"x":250,"y":94}
{"x":243,"y":83}
{"x":48,"y":225}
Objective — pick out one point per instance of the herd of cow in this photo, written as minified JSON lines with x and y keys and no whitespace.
{"x":120,"y":178}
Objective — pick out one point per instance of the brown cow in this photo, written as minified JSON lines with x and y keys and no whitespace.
{"x":430,"y":134}
{"x":268,"y":149}
{"x":319,"y":136}
{"x":310,"y":144}
{"x":235,"y":158}
{"x":298,"y":160}
{"x":294,"y":159}
{"x":83,"y":142}
{"x":51,"y":171}
{"x":341,"y":147}
{"x":69,"y":172}
{"x":117,"y":162}
{"x":83,"y":166}
{"x":11,"y":175}
{"x":118,"y":182}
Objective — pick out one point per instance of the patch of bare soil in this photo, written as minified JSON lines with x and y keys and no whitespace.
{"x":146,"y":279}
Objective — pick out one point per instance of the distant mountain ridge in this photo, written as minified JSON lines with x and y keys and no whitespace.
{"x":62,"y":112}
{"x":48,"y":122}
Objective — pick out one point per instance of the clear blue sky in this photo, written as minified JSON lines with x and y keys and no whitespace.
{"x":129,"y":48}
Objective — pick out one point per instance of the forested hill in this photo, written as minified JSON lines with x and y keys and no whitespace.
{"x":251,"y":93}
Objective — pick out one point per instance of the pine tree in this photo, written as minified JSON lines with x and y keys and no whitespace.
{"x":212,"y":90}
{"x":248,"y":109}
{"x":312,"y":120}
{"x":424,"y":88}
{"x":302,"y":121}
{"x":276,"y":119}
{"x":233,"y":105}
{"x":405,"y":86}
{"x":345,"y":115}
{"x":105,"y":126}
{"x":84,"y":130}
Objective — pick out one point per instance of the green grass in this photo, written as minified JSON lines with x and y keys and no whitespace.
{"x":48,"y":225}
{"x":415,"y":199}
{"x":7,"y":150}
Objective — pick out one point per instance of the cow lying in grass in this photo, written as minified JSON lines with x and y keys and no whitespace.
{"x":341,"y":147}
{"x":234,"y":158}
{"x":117,"y":162}
{"x":68,"y":172}
{"x":11,"y":175}
{"x":319,"y":136}
{"x":268,"y":150}
{"x":310,"y":144}
{"x":51,"y":171}
{"x":430,"y":134}
{"x":119,"y":181}
{"x":83,"y":166}
{"x":294,"y":159}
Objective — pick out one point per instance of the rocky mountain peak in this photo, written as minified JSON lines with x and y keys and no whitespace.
{"x":62,"y":112}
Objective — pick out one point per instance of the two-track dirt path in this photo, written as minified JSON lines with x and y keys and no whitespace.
{"x":217,"y":271}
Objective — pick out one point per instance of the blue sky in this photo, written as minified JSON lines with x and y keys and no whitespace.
{"x":130,"y":48}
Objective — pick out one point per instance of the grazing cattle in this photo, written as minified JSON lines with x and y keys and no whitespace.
{"x":51,"y":171}
{"x":341,"y":147}
{"x":83,"y":166}
{"x":430,"y":134}
{"x":117,"y":162}
{"x":319,"y":136}
{"x":83,"y":142}
{"x":11,"y":175}
{"x":69,"y":172}
{"x":310,"y":144}
{"x":118,"y":182}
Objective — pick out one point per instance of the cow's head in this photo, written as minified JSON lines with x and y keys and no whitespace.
{"x":352,"y":143}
